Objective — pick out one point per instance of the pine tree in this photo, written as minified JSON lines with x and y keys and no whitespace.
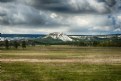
{"x":23,"y":44}
{"x":16,"y":44}
{"x":6,"y":44}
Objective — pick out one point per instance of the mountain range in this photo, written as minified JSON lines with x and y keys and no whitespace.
{"x":56,"y":36}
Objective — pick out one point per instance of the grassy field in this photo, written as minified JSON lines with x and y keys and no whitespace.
{"x":61,"y":63}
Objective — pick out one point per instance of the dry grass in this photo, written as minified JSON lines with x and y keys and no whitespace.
{"x":61,"y":63}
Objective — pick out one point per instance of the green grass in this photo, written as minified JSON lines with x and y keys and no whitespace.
{"x":26,"y":71}
{"x":60,"y":52}
{"x":59,"y":72}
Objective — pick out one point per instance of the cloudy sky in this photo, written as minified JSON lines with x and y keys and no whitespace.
{"x":68,"y":16}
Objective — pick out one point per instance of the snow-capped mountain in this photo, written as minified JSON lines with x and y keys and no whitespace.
{"x":59,"y":36}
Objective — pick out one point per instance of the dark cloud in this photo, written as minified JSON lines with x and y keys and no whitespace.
{"x":6,"y":0}
{"x":24,"y":15}
{"x":72,"y":6}
{"x":110,"y":3}
{"x":67,"y":15}
{"x":2,"y":14}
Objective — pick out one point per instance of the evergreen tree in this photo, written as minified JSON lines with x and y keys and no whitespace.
{"x":6,"y":44}
{"x":16,"y":44}
{"x":23,"y":44}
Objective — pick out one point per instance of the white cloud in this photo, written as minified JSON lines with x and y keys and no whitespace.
{"x":86,"y":20}
{"x":119,"y":17}
{"x":53,"y":15}
{"x":34,"y":16}
{"x":101,"y":28}
{"x":117,"y":30}
{"x":99,"y":7}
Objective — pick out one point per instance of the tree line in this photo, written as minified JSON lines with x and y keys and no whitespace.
{"x":108,"y":42}
{"x":13,"y":44}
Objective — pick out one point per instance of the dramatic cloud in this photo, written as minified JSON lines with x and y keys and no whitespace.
{"x":68,"y":16}
{"x":71,"y":6}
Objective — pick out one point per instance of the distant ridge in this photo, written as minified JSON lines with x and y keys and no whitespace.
{"x":22,"y":35}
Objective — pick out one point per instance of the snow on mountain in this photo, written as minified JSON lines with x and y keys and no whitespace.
{"x":60,"y":36}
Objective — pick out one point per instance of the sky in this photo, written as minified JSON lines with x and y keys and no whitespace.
{"x":80,"y":17}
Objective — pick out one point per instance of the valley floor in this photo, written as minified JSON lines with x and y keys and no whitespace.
{"x":61,"y":63}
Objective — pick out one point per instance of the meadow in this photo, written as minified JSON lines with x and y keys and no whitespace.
{"x":61,"y":63}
